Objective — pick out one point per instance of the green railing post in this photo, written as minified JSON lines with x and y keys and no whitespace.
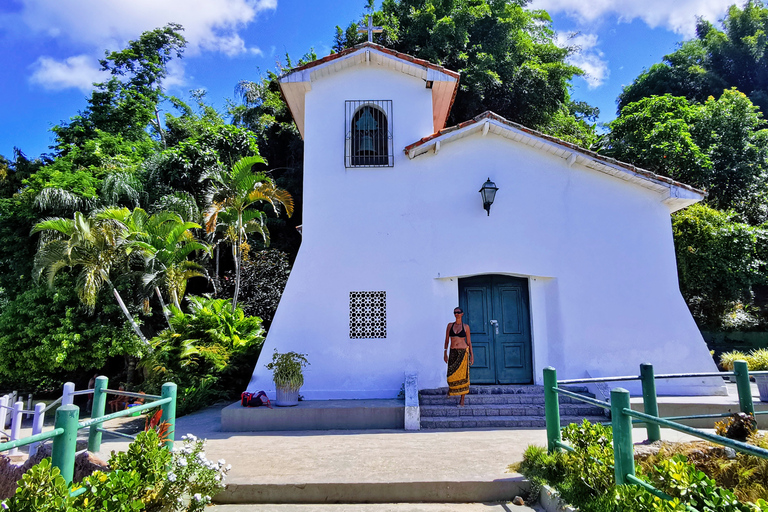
{"x":741,"y":370}
{"x":65,"y":445}
{"x":650,"y":405}
{"x":98,"y":408}
{"x":169,"y":411}
{"x":551,"y":409}
{"x":623,"y":451}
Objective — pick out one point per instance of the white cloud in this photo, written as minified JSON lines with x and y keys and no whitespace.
{"x":93,"y":25}
{"x":676,"y":15}
{"x":208,"y":24}
{"x":588,"y":57}
{"x":78,"y":72}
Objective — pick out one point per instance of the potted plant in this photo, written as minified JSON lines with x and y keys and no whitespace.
{"x":757,"y":360}
{"x":288,"y":376}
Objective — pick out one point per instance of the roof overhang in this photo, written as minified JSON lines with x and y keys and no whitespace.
{"x":444,"y":83}
{"x":674,"y":194}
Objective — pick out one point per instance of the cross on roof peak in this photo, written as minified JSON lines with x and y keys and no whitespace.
{"x":371,"y":29}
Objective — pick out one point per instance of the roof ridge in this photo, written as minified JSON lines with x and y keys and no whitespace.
{"x":488,"y":114}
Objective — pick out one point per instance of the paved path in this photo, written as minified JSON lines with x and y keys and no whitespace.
{"x":313,"y":461}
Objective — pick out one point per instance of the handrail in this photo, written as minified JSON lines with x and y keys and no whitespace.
{"x":115,"y":433}
{"x":64,"y":433}
{"x":52,"y":404}
{"x":31,"y":439}
{"x":598,"y":379}
{"x":130,"y":394}
{"x":583,"y":398}
{"x":622,"y":413}
{"x":119,"y":414}
{"x":714,"y":438}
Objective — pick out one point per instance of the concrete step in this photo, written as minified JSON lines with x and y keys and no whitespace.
{"x":503,"y":389}
{"x":493,"y":399}
{"x":466,"y":422}
{"x":379,"y":507}
{"x":315,"y":415}
{"x":506,"y":410}
{"x":466,"y":490}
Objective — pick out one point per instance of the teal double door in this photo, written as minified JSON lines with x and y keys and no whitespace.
{"x":497,"y":310}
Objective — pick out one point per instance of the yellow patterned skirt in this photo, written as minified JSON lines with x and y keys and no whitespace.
{"x":458,"y":372}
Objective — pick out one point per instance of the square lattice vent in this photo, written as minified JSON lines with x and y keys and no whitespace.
{"x":367,"y":314}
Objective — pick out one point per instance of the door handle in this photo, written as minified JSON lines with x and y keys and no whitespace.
{"x":495,"y":325}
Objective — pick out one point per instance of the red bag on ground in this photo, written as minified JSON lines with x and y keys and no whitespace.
{"x":255,"y":399}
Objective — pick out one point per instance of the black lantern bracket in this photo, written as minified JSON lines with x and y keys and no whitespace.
{"x":488,"y":193}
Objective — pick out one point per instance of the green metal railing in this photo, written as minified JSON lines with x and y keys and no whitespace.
{"x":622,"y":417}
{"x":67,"y":424}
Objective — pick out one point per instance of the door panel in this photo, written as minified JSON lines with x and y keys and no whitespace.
{"x":475,"y":301}
{"x":503,"y":354}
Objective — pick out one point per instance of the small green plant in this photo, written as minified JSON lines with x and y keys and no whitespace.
{"x":757,"y":360}
{"x":728,"y":358}
{"x":287,"y":370}
{"x":42,"y":489}
{"x":738,"y":426}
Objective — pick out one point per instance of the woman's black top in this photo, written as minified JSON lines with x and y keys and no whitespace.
{"x":460,"y":334}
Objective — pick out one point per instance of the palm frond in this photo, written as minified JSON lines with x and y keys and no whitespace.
{"x":123,"y":187}
{"x":51,"y":198}
{"x":58,"y":224}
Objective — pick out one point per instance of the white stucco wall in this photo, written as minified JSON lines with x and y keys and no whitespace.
{"x":598,"y":253}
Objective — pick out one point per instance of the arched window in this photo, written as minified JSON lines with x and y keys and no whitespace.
{"x":369,"y":136}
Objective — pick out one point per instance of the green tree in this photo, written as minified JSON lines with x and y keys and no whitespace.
{"x":129,"y":102}
{"x":507,"y":55}
{"x":239,"y":191}
{"x":98,"y":245}
{"x":720,"y":146}
{"x":719,"y":261}
{"x":716,"y":59}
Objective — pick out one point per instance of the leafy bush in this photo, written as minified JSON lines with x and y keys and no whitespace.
{"x":209,"y":354}
{"x":585,"y":477}
{"x":146,"y":477}
{"x":52,"y":336}
{"x":757,"y":360}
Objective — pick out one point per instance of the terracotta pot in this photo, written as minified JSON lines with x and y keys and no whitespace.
{"x":286,"y":397}
{"x":762,"y":386}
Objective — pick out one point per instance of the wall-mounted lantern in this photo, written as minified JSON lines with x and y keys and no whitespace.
{"x":489,"y":194}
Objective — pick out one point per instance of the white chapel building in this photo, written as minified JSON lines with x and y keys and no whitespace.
{"x":573,"y":266}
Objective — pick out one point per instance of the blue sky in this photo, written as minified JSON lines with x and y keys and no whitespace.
{"x":49,"y":49}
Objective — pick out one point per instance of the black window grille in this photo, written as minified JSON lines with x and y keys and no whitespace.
{"x":369,"y":133}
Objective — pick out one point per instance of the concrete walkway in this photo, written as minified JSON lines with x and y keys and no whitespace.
{"x":295,"y":468}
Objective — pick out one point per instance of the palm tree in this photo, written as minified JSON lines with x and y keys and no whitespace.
{"x":238,"y":190}
{"x":97,"y":245}
{"x":166,"y":242}
{"x":171,"y":244}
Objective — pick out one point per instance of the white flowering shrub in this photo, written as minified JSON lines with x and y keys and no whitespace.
{"x":146,"y":477}
{"x":193,"y":479}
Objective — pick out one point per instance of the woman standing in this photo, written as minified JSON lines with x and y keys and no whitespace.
{"x":457,"y":333}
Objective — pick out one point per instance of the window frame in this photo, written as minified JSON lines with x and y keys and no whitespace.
{"x":352,"y":109}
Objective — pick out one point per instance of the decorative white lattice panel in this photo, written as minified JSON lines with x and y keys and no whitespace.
{"x":367,"y":314}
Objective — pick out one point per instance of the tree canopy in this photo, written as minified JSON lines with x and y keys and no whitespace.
{"x":506,"y":54}
{"x":717,"y":58}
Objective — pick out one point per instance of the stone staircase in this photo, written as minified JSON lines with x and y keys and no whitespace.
{"x":501,"y":406}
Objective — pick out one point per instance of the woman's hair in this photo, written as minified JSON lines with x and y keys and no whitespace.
{"x":460,"y":310}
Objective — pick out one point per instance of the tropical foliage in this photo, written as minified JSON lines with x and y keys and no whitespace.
{"x":585,"y":478}
{"x":148,"y":476}
{"x":208,"y":352}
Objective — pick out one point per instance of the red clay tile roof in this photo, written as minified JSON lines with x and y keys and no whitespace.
{"x":591,"y":154}
{"x":398,"y":55}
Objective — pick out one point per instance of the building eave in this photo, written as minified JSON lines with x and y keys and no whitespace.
{"x":674,"y":194}
{"x":297,"y":82}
